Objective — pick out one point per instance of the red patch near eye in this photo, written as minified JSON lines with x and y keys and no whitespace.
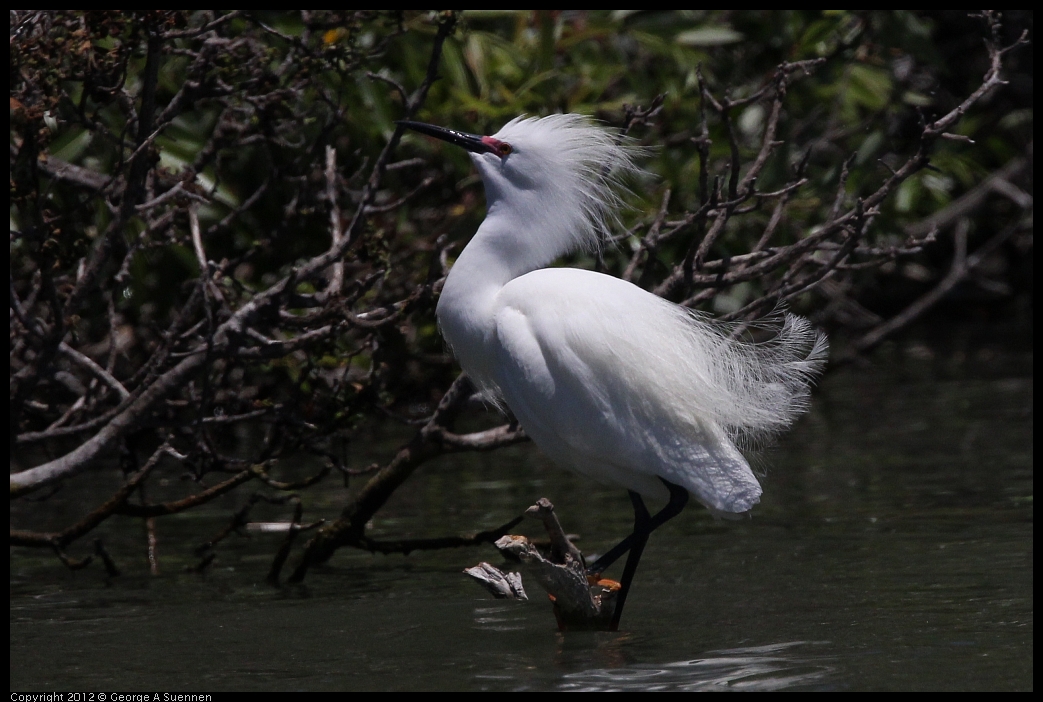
{"x":502,"y":148}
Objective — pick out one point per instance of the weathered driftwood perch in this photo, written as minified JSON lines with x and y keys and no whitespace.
{"x":578,"y":602}
{"x":502,"y":585}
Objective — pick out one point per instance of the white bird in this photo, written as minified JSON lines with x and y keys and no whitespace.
{"x":609,"y":380}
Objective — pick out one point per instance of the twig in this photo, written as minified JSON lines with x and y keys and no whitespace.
{"x":407,"y":546}
{"x":96,"y":517}
{"x":94,"y":368}
{"x":336,"y":233}
{"x":961,"y":266}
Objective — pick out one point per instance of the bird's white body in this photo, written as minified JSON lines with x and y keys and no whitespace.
{"x":608,"y":379}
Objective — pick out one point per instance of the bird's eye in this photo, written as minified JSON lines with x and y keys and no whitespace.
{"x":505,"y":149}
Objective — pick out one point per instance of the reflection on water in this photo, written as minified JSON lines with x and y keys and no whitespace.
{"x":892,"y":550}
{"x":499,"y":617}
{"x":761,"y":668}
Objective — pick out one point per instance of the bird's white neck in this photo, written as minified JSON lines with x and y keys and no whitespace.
{"x":495,"y":256}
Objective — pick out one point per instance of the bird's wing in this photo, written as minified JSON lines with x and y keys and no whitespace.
{"x":575,"y":357}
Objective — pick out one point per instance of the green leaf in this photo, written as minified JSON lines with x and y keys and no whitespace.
{"x":869,"y":86}
{"x":708,"y":36}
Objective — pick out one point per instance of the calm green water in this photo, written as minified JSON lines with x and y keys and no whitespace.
{"x":892,"y":550}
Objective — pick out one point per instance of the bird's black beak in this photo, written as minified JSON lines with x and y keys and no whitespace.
{"x":472,"y":142}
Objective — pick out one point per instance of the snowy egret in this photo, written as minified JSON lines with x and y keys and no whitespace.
{"x":608,"y":379}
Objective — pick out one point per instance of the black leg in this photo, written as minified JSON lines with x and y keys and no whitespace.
{"x":678,"y":500}
{"x":644,"y":525}
{"x":641,"y":530}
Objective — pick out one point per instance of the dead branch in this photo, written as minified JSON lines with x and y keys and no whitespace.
{"x":297,"y":344}
{"x":962,"y":265}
